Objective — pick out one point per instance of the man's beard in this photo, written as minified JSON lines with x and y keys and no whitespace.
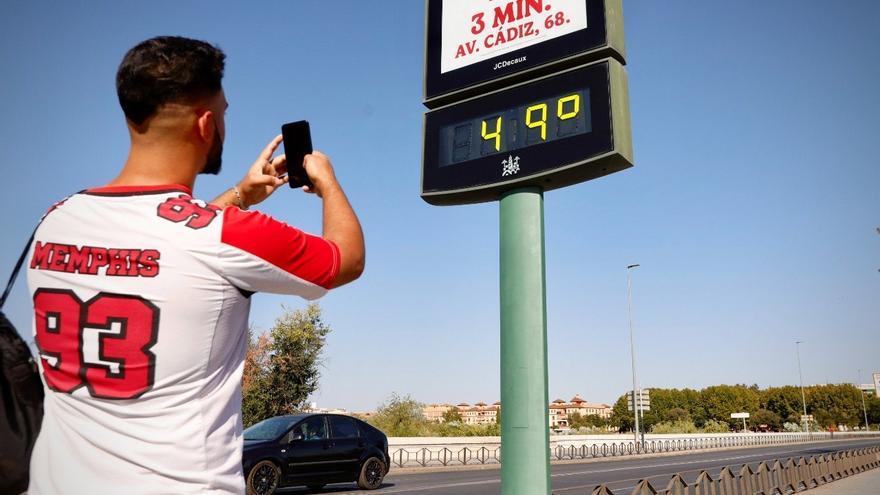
{"x":215,"y":156}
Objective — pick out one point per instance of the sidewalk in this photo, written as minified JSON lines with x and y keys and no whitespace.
{"x":867,"y":483}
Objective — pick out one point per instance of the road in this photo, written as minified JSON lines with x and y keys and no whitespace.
{"x":620,"y":474}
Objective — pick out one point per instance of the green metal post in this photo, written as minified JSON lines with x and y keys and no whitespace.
{"x":525,"y":433}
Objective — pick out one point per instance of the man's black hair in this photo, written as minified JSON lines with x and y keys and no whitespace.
{"x":167,"y":69}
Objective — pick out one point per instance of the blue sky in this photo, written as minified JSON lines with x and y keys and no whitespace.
{"x":752,"y":208}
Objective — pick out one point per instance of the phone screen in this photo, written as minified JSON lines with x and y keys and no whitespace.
{"x":297,"y":144}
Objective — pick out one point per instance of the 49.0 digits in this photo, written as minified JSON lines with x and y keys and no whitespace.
{"x":536,"y":122}
{"x":567,"y":107}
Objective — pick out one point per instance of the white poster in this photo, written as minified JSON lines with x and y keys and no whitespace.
{"x":876,"y":384}
{"x":475,"y":30}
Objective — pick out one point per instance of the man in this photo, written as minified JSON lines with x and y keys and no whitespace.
{"x":141,"y":293}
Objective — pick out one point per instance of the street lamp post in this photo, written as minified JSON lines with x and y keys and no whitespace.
{"x":797,"y":346}
{"x":635,"y":390}
{"x":864,"y":409}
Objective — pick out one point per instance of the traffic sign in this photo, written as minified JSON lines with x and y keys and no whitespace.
{"x":741,"y":415}
{"x":474,"y":46}
{"x":553,"y":132}
{"x":645,"y":400}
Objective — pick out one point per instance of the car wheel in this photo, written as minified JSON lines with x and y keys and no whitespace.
{"x":316,"y":488}
{"x":263,"y":478}
{"x":372,"y":473}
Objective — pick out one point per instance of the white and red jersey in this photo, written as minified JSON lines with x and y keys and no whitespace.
{"x":141,"y":298}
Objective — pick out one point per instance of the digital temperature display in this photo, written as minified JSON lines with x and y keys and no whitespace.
{"x":550,"y":132}
{"x":510,"y":129}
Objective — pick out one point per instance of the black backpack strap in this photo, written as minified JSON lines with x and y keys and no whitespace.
{"x":24,"y":253}
{"x":15,"y":270}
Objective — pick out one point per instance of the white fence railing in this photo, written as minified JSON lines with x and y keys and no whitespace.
{"x":463,"y":451}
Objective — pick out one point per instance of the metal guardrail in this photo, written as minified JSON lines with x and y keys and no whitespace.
{"x":465,"y":456}
{"x":780,"y":477}
{"x":444,"y":456}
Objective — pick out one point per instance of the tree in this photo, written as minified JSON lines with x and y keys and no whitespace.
{"x":649,"y":418}
{"x":831,"y":405}
{"x":665,"y":401}
{"x":621,"y":416}
{"x":452,"y":416}
{"x":400,"y":416}
{"x":720,"y":401}
{"x":576,"y":420}
{"x":282,"y":366}
{"x":255,"y":379}
{"x":678,"y":414}
{"x":872,"y":405}
{"x":592,"y":421}
{"x":834,"y":405}
{"x":595,"y":421}
{"x":765,"y":417}
{"x":783,"y":401}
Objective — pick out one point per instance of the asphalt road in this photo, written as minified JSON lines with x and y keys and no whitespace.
{"x":620,"y":474}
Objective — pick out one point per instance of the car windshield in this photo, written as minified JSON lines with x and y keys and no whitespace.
{"x":269,"y":429}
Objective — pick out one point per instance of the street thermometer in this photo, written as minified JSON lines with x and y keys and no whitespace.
{"x":524,"y":96}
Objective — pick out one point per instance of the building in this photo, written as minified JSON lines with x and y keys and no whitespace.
{"x":876,"y":377}
{"x":561,"y":410}
{"x":434,"y":412}
{"x":584,"y":408}
{"x":482,"y":413}
{"x":313,"y":408}
{"x":478,"y":414}
{"x":558,"y":417}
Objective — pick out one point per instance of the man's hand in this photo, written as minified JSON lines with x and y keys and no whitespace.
{"x":263,"y":177}
{"x":320,"y":172}
{"x":340,"y":223}
{"x":261,"y":180}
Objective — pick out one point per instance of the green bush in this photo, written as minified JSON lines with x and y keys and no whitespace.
{"x":401,"y":416}
{"x":679,"y":426}
{"x":713,"y":426}
{"x":688,"y":426}
{"x":792,"y":427}
{"x":463,"y":430}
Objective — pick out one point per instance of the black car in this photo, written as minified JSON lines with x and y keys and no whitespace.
{"x":313,"y":450}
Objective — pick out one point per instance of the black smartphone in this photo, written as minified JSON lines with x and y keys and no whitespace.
{"x":297,"y":144}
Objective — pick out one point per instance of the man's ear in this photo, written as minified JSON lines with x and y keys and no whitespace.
{"x":205,"y":125}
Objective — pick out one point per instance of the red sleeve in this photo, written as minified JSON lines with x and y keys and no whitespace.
{"x":303,"y":255}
